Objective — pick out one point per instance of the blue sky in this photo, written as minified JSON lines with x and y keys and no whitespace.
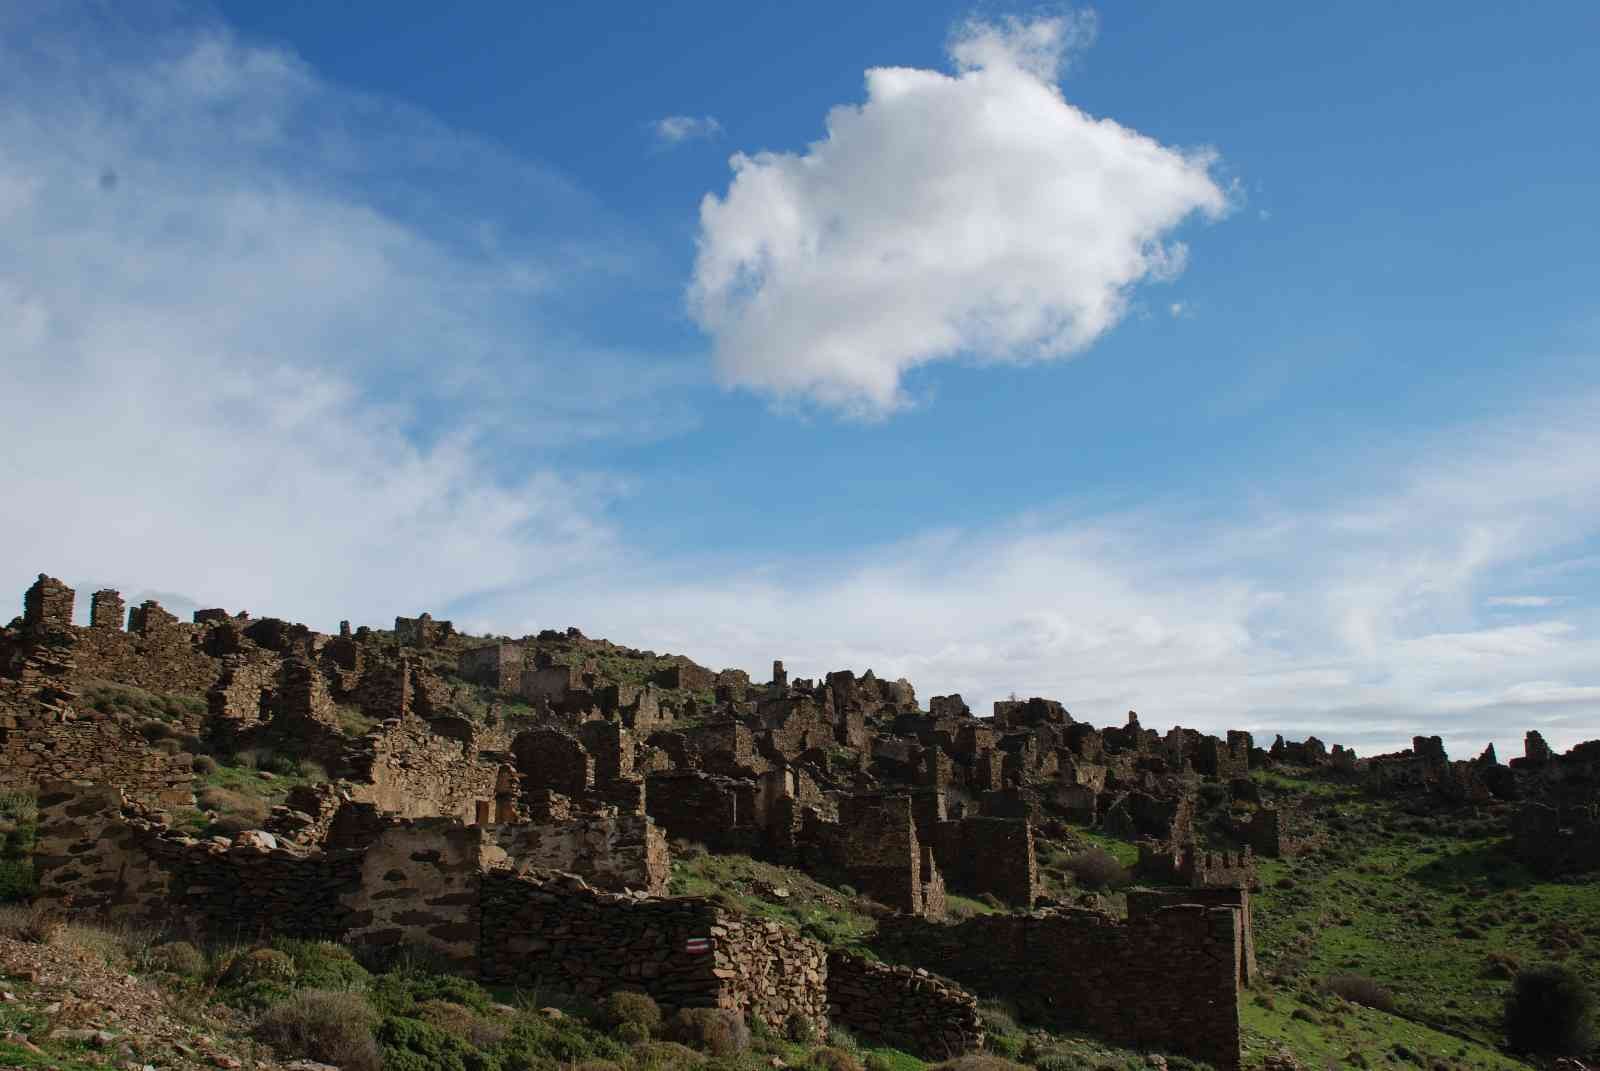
{"x":1237,"y":366}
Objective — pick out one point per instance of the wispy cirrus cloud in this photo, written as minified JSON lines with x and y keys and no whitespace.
{"x":1318,"y":607}
{"x":254,"y":327}
{"x":677,"y":129}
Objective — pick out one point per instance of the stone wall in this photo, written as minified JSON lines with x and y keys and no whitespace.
{"x":989,"y":855}
{"x":1188,"y":865}
{"x":1165,"y":980}
{"x":39,"y":743}
{"x":100,"y":855}
{"x":167,"y":658}
{"x":408,"y":767}
{"x":496,"y":665}
{"x":1553,"y":840}
{"x":609,"y":852}
{"x":419,"y":887}
{"x":903,"y":1007}
{"x":555,"y":931}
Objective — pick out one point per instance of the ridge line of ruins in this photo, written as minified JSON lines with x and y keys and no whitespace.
{"x":530,"y":845}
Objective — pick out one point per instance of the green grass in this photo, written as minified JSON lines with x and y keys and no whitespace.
{"x":1329,"y":1032}
{"x":109,"y":697}
{"x":815,"y":909}
{"x":1425,"y":912}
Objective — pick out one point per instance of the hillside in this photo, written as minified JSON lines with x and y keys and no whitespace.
{"x":454,"y":834}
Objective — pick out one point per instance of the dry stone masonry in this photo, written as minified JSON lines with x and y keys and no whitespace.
{"x":507,"y":804}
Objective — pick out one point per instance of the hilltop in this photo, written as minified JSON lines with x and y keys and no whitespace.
{"x":556,"y":814}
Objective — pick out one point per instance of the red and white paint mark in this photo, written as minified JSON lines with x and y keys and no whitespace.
{"x":697,"y":946}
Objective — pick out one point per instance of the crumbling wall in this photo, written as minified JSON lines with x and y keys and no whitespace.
{"x":99,"y":854}
{"x":1185,"y":864}
{"x":554,"y":930}
{"x":496,"y":665}
{"x":409,"y":767}
{"x":1165,"y":980}
{"x":609,"y":852}
{"x":903,"y":1007}
{"x":989,"y":855}
{"x":1552,"y":840}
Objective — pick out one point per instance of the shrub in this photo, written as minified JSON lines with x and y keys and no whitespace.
{"x":801,"y":1030}
{"x":632,"y":1034}
{"x":178,"y":957}
{"x":1096,"y":868}
{"x":399,"y":991}
{"x":17,"y":880}
{"x":998,"y":1017}
{"x":840,"y":1038}
{"x":667,"y":1056}
{"x":877,"y":1062}
{"x":36,"y":925}
{"x":259,"y":965}
{"x":413,"y":1045}
{"x":833,"y":1058}
{"x":536,"y":1042}
{"x":330,"y":1028}
{"x":1359,"y":989}
{"x":640,"y":1009}
{"x":1548,"y":1011}
{"x":717,"y":1031}
{"x":454,"y":1019}
{"x":323,"y":964}
{"x":1010,"y":1046}
{"x":204,"y":765}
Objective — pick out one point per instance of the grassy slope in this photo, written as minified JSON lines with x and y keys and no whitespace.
{"x":1425,"y":911}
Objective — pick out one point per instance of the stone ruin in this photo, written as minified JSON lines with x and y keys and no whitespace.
{"x":482,"y":838}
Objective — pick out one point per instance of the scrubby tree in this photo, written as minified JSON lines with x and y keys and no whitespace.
{"x":1549,"y":1010}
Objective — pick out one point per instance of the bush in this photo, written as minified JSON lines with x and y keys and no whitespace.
{"x":833,"y":1058}
{"x":17,"y":880}
{"x":37,"y":925}
{"x":323,"y":965}
{"x":1008,"y":1045}
{"x":400,"y":991}
{"x":259,"y":965}
{"x":717,"y":1031}
{"x":801,"y":1030}
{"x":1359,"y":989}
{"x":330,"y":1028}
{"x":413,"y":1045}
{"x":877,"y":1062}
{"x":632,"y":1034}
{"x":1549,"y":1011}
{"x":539,"y":1042}
{"x":998,"y":1017}
{"x":204,"y":765}
{"x":178,"y":957}
{"x":639,"y":1009}
{"x":1096,"y":868}
{"x":840,"y":1038}
{"x":667,"y":1056}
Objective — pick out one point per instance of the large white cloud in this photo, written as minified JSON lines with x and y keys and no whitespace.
{"x":976,"y":213}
